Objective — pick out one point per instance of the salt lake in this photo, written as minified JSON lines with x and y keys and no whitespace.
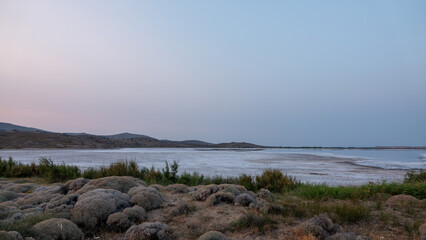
{"x":331,"y":166}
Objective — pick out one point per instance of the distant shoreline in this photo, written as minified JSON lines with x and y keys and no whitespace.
{"x":360,"y":148}
{"x":230,"y":149}
{"x":19,"y":137}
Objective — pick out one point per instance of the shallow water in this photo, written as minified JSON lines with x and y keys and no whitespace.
{"x":334,"y":167}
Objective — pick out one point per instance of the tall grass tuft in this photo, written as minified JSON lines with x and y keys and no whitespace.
{"x":350,"y":213}
{"x":57,"y":173}
{"x":250,"y":220}
{"x":415,"y":177}
{"x":45,"y":169}
{"x":276,"y":181}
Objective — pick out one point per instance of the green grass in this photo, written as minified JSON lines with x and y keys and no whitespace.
{"x":367,"y":191}
{"x":339,"y":212}
{"x":45,"y":169}
{"x":24,"y":226}
{"x":271,"y":179}
{"x":250,"y":220}
{"x":349,"y":213}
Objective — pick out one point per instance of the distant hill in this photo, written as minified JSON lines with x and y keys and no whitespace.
{"x":237,"y":145}
{"x":16,"y":137}
{"x":126,"y":136}
{"x":11,"y":127}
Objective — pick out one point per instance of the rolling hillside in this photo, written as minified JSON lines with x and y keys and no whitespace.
{"x":17,"y":137}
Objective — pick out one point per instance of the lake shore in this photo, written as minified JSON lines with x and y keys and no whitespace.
{"x":333,"y":167}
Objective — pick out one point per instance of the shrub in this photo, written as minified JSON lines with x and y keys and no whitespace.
{"x":170,"y":176}
{"x":46,"y":169}
{"x":24,"y":226}
{"x":247,"y":181}
{"x":90,"y":173}
{"x":275,"y":181}
{"x":153,"y":176}
{"x":415,"y":177}
{"x":191,"y":179}
{"x":54,"y":173}
{"x":122,"y":168}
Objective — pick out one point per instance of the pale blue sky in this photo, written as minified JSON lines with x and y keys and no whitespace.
{"x":288,"y":73}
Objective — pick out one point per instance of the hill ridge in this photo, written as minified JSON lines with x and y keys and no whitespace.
{"x":18,"y":137}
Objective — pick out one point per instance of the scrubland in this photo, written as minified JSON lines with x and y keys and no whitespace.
{"x":123,"y":201}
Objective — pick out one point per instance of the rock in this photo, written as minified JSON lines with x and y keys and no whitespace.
{"x":118,"y":222}
{"x":320,"y":226}
{"x":122,"y":184}
{"x":234,"y":189}
{"x":181,"y":208}
{"x":32,"y":211}
{"x":422,"y":231}
{"x":177,"y":188}
{"x":251,"y":193}
{"x":62,"y":211}
{"x":135,"y":213}
{"x":61,"y":205}
{"x":270,"y":208}
{"x":95,"y":206}
{"x":12,"y":235}
{"x":69,"y":199}
{"x":57,"y":228}
{"x":401,"y":200}
{"x":26,"y":207}
{"x":343,"y":236}
{"x":265,"y":194}
{"x":17,"y":216}
{"x":74,"y":185}
{"x":244,"y":200}
{"x":8,"y":195}
{"x":21,"y":188}
{"x":158,"y":187}
{"x":55,"y":188}
{"x":212,"y":235}
{"x":219,"y":197}
{"x":4,"y":211}
{"x":147,"y":231}
{"x":146,"y":197}
{"x":204,"y":192}
{"x":36,"y":198}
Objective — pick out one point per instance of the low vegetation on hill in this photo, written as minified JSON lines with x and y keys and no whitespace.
{"x":124,"y":201}
{"x":20,"y":139}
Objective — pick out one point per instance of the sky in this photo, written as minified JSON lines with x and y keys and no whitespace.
{"x":282,"y":73}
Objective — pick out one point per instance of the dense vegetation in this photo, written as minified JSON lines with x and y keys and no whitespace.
{"x":272,"y":179}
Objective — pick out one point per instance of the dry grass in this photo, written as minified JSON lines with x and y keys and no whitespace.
{"x":301,"y":236}
{"x":36,"y":180}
